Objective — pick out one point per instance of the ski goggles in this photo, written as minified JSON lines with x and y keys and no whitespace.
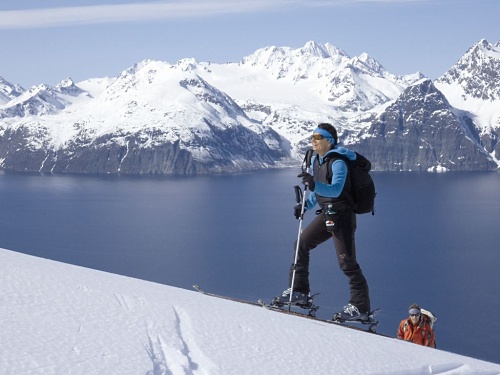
{"x":319,"y":134}
{"x":317,"y":137}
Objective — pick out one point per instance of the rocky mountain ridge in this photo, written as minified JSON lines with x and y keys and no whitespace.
{"x":202,"y":117}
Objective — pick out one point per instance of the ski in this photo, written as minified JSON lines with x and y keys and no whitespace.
{"x":357,"y":325}
{"x":371,"y":323}
{"x":311,"y":309}
{"x":198,"y":289}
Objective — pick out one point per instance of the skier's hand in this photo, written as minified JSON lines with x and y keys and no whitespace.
{"x":297,"y":210}
{"x":307,"y":180}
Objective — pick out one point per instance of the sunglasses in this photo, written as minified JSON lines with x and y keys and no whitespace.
{"x":317,"y":137}
{"x":414,"y":315}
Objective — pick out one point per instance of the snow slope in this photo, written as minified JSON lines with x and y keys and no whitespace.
{"x":64,"y":319}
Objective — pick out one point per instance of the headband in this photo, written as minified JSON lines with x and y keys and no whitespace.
{"x":325,"y":134}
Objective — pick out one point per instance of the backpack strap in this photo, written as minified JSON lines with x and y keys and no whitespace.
{"x":330,"y":159}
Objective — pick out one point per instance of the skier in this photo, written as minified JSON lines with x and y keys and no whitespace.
{"x":417,"y":328}
{"x":337,"y":220}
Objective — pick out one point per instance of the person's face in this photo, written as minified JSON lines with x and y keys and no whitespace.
{"x":320,"y":144}
{"x":415,"y":318}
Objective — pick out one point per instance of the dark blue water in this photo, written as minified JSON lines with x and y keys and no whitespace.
{"x":433,"y":241}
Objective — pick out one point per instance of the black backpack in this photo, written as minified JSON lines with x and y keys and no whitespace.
{"x":362,"y":185}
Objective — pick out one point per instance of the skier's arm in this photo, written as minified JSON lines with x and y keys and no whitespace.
{"x":339,"y":174}
{"x":401,"y":332}
{"x":311,"y":201}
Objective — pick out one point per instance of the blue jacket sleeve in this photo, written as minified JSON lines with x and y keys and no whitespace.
{"x":311,"y":201}
{"x":339,"y":174}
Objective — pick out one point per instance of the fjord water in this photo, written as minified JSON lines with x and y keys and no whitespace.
{"x":434,"y":240}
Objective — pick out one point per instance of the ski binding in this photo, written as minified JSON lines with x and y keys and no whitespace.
{"x":370,"y":321}
{"x":310,"y":306}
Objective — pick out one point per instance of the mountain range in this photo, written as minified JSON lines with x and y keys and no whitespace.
{"x":202,"y":117}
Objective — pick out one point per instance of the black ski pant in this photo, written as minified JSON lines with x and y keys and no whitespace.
{"x":343,"y":237}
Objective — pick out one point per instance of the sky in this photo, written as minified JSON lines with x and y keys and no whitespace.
{"x":51,"y":40}
{"x":63,"y":319}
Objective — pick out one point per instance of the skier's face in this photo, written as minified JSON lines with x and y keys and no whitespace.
{"x":415,"y":318}
{"x":320,"y":144}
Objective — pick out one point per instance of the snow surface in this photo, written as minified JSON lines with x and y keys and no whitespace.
{"x":64,"y":319}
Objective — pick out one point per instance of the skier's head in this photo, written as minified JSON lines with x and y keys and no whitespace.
{"x":415,"y":308}
{"x":324,"y":138}
{"x":414,"y":312}
{"x":328,"y":131}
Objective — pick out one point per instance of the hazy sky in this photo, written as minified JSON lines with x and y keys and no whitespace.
{"x":50,"y":40}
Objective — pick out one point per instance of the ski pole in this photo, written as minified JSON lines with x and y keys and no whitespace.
{"x":306,"y":167}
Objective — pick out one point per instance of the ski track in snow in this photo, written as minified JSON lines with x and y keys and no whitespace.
{"x":172,"y":349}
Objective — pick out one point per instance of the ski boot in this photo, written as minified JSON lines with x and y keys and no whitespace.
{"x":351,"y":314}
{"x":299,"y":299}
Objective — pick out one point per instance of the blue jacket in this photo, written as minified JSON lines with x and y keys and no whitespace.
{"x":339,"y":174}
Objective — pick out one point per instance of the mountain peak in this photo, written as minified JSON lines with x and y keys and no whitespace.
{"x":488,"y":49}
{"x":9,"y":91}
{"x":66,"y":82}
{"x":272,"y":54}
{"x":187,"y":64}
{"x":369,"y":62}
{"x":137,"y":67}
{"x":321,"y":50}
{"x":315,"y":49}
{"x":68,"y":86}
{"x":476,"y":71}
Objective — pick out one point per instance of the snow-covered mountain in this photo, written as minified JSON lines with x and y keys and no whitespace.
{"x":64,"y":319}
{"x":198,"y":117}
{"x":472,"y":86}
{"x":8,"y":91}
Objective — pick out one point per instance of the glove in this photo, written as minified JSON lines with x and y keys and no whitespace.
{"x":297,"y":210}
{"x":307,"y":180}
